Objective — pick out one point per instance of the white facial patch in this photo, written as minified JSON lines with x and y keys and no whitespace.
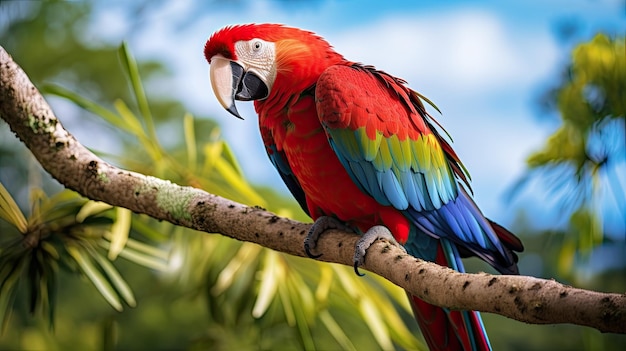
{"x":259,"y":57}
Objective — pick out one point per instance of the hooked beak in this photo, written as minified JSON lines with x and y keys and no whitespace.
{"x":231,"y":82}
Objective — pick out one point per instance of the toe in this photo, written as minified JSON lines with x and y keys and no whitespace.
{"x":366,"y":240}
{"x":321,"y":225}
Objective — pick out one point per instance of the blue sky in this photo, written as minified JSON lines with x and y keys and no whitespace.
{"x":484,"y":63}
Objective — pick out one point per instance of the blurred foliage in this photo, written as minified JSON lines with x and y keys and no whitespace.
{"x":52,"y":41}
{"x":68,"y":265}
{"x":591,"y":98}
{"x":582,"y":160}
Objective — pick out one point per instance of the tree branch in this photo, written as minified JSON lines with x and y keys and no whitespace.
{"x":526,"y":299}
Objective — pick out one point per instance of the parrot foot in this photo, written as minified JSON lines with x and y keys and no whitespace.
{"x":371,"y":235}
{"x":322,"y":224}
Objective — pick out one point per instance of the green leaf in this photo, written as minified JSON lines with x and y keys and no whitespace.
{"x":566,"y":257}
{"x":241,"y":185}
{"x":244,"y":256}
{"x":190,"y":142}
{"x":271,"y":274}
{"x":131,"y":122}
{"x":371,"y":316}
{"x":229,"y":156}
{"x":302,"y":320}
{"x":50,"y":270}
{"x":335,"y":330}
{"x":133,"y":126}
{"x":288,"y":307}
{"x":91,"y":208}
{"x":588,"y":226}
{"x":49,"y":249}
{"x":212,"y":152}
{"x":139,"y":258}
{"x":87,"y":104}
{"x":146,"y":229}
{"x":10,"y":212}
{"x":396,"y":327}
{"x":99,"y":281}
{"x":132,"y":71}
{"x":147,"y":249}
{"x":115,"y":278}
{"x":9,"y":278}
{"x":119,"y":231}
{"x":324,"y":284}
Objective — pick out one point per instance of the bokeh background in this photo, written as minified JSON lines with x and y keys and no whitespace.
{"x":545,"y":150}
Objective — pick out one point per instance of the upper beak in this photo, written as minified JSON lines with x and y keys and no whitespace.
{"x":230,"y":82}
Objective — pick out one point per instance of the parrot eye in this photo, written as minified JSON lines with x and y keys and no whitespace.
{"x":256,"y":45}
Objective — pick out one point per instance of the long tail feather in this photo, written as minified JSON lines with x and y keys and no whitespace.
{"x":445,"y":329}
{"x":509,"y":239}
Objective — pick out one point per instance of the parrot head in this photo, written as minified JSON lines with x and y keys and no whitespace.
{"x":259,"y":61}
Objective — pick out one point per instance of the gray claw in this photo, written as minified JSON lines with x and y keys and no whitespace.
{"x":321,"y":225}
{"x":366,"y":240}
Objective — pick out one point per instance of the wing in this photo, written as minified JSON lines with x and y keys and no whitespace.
{"x":381,"y":134}
{"x":279,"y":161}
{"x":386,"y":141}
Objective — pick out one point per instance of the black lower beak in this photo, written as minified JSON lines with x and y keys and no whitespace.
{"x":251,"y":87}
{"x":246,"y":86}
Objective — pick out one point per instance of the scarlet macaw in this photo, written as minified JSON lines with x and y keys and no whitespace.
{"x":357,"y":149}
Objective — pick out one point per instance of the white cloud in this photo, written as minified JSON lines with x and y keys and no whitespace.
{"x":470,"y":52}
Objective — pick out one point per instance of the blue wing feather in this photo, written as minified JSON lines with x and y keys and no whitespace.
{"x":461,"y":222}
{"x":280,"y":163}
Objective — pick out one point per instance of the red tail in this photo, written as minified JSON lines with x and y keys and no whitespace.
{"x":449,"y":330}
{"x":446,"y":330}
